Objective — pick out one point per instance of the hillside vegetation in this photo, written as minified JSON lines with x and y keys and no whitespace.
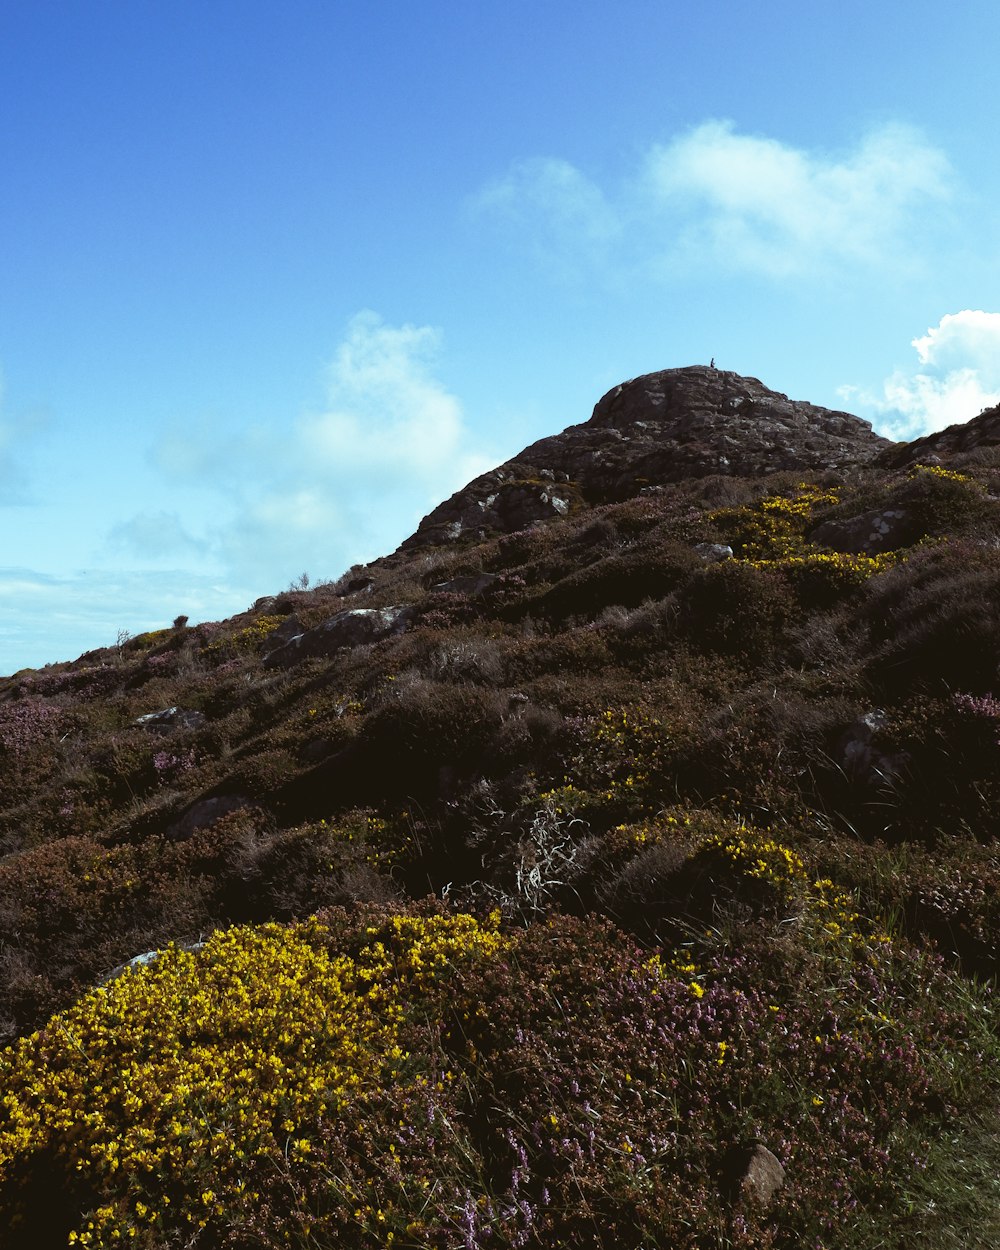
{"x":585,"y":882}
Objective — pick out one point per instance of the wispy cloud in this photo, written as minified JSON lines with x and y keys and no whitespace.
{"x":957,"y":375}
{"x":547,"y":205}
{"x":344,"y":483}
{"x":15,"y":434}
{"x":735,"y":202}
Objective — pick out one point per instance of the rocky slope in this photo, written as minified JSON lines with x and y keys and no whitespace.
{"x":663,"y":427}
{"x":954,"y":443}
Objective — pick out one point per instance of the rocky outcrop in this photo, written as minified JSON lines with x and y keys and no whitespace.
{"x":955,"y":442}
{"x":660,"y":428}
{"x":353,"y":627}
{"x":471,"y":584}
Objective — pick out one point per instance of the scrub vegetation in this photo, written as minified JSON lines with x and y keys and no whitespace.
{"x":523,"y":926}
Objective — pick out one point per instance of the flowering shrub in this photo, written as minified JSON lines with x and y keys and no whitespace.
{"x":774,"y":527}
{"x":162,"y":1092}
{"x":248,"y":638}
{"x":25,"y":723}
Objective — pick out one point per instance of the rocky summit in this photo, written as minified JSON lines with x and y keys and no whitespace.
{"x":656,"y":429}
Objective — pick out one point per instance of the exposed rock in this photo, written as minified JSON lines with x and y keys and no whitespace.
{"x":204,"y":814}
{"x":753,"y":1174}
{"x":289,"y":628}
{"x":869,"y":533}
{"x":662,"y":427}
{"x":353,"y":627}
{"x":763,"y":1177}
{"x":170,"y":719}
{"x":862,"y":761}
{"x":358,"y":586}
{"x":267,"y":606}
{"x":980,"y":433}
{"x":141,"y":961}
{"x":714,"y":552}
{"x":471,"y":584}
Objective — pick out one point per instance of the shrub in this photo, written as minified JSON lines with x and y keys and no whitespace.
{"x":933,"y":620}
{"x":157,"y":1101}
{"x":736,"y":609}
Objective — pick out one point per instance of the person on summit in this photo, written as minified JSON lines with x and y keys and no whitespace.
{"x":711,"y":363}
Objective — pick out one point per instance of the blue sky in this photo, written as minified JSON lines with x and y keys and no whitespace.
{"x":276,"y":278}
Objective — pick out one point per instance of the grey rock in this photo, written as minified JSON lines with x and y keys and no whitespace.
{"x":660,"y":428}
{"x":763,"y":1178}
{"x":169,"y":719}
{"x":862,"y":760}
{"x":752,"y":1174}
{"x":714,"y":552}
{"x":956,"y":442}
{"x":869,"y":533}
{"x":359,"y":586}
{"x":204,"y":814}
{"x":290,"y":628}
{"x":471,"y":584}
{"x":142,"y":961}
{"x":353,"y":627}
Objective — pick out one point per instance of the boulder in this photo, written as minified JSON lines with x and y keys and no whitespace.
{"x":141,"y":961}
{"x":752,"y":1174}
{"x":204,"y":814}
{"x":714,"y":552}
{"x":868,"y":533}
{"x":861,"y":759}
{"x":354,"y":627}
{"x":171,"y":719}
{"x":289,"y":628}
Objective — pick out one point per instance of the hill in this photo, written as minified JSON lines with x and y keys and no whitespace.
{"x":613,"y":865}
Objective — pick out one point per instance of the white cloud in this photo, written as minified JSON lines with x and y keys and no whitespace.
{"x":957,"y":377}
{"x":344,"y":483}
{"x":713,"y":196}
{"x":548,"y":205}
{"x":755,"y":203}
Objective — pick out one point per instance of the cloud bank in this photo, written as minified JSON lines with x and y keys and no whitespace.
{"x":47,"y":619}
{"x":956,"y":377}
{"x":735,"y":202}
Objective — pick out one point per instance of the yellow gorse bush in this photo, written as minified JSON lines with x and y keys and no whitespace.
{"x":773,"y":528}
{"x":250,"y":635}
{"x":162,"y":1087}
{"x":757,"y":855}
{"x":771,"y":534}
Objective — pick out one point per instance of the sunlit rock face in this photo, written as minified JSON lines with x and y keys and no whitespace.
{"x":659,"y":428}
